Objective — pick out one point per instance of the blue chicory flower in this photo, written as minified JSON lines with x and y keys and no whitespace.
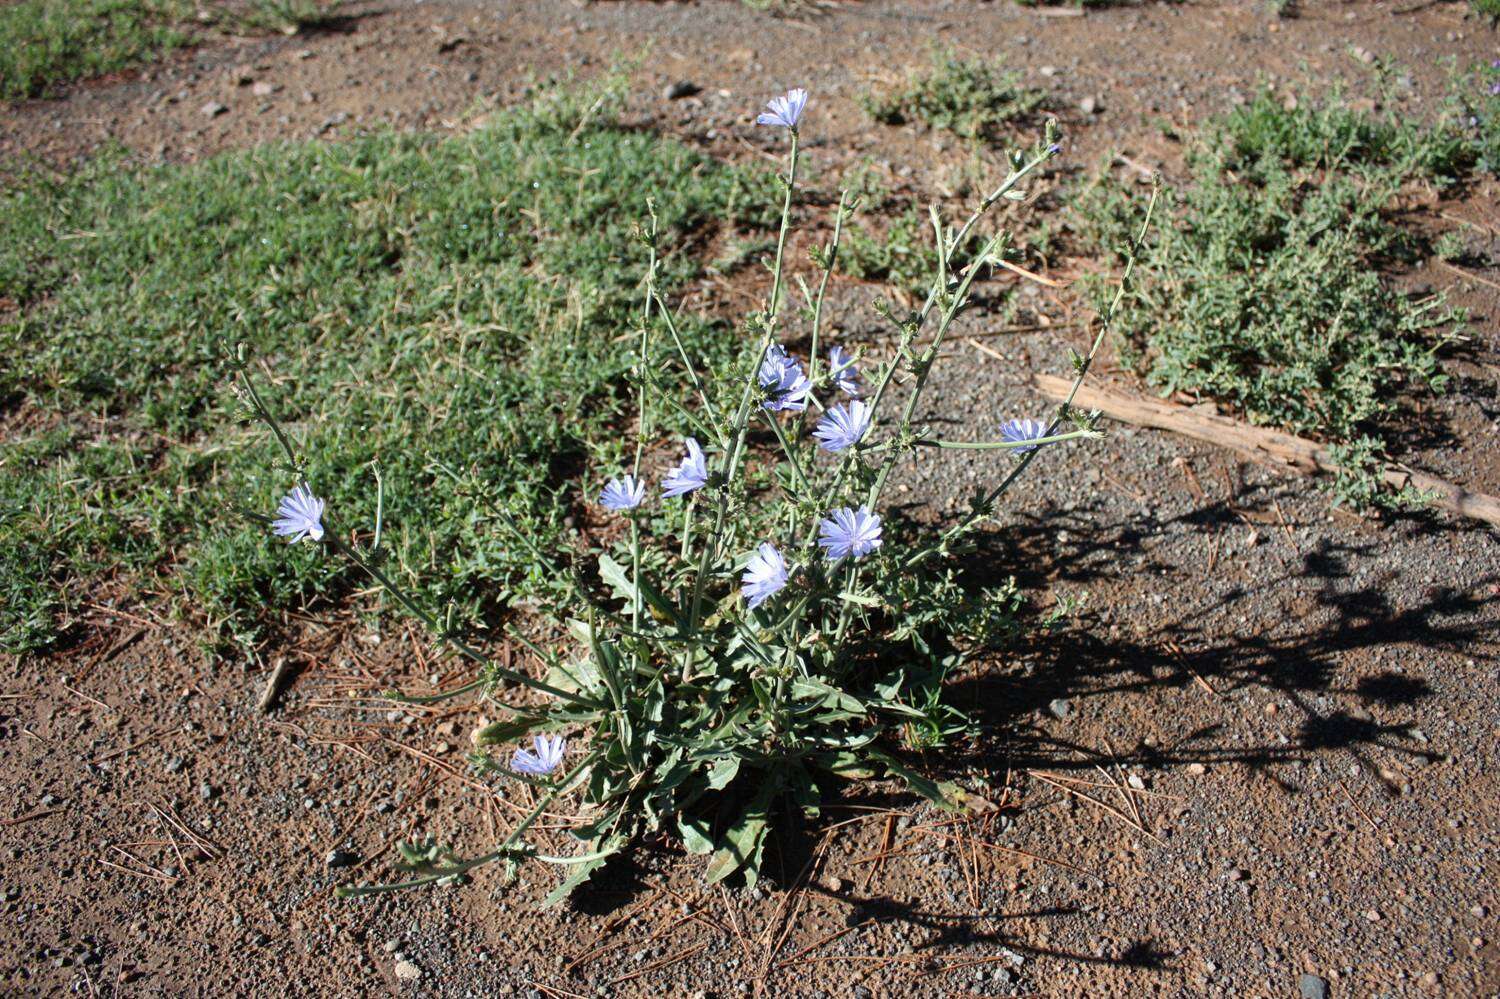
{"x":784,"y":112}
{"x":624,"y":493}
{"x":299,"y":516}
{"x":1017,"y":431}
{"x":764,"y":576}
{"x":785,"y":383}
{"x":843,"y":427}
{"x":845,"y":374}
{"x":848,"y":532}
{"x":691,"y":473}
{"x":548,"y":754}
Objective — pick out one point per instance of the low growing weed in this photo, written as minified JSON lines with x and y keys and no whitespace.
{"x":1266,"y":289}
{"x":972,"y":98}
{"x":45,"y":42}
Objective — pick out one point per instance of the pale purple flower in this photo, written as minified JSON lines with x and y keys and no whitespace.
{"x":849,"y":532}
{"x":1054,"y":149}
{"x":843,"y":427}
{"x":299,"y":516}
{"x":547,"y":755}
{"x":1018,"y":430}
{"x":845,"y":374}
{"x":624,"y":493}
{"x":765,"y":574}
{"x":784,"y":112}
{"x":785,"y":383}
{"x":691,"y":473}
{"x":1495,"y":89}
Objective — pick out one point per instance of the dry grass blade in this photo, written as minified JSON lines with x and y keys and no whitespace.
{"x":1023,"y":853}
{"x":663,"y":963}
{"x":1111,"y":809}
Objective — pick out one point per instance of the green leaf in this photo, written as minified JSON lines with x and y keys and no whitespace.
{"x":722,"y":772}
{"x":615,"y":575}
{"x":741,"y":846}
{"x":846,"y":764}
{"x":585,"y":870}
{"x":695,"y":835}
{"x":941,"y":795}
{"x":507,"y":730}
{"x":806,"y":688}
{"x":805,"y":793}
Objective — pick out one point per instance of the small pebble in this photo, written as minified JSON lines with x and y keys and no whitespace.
{"x":1313,"y":987}
{"x":341,"y":858}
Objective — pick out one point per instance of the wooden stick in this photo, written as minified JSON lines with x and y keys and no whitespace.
{"x":275,"y":684}
{"x":1270,"y":447}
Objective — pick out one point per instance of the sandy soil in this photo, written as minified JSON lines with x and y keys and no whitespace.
{"x":1260,"y":761}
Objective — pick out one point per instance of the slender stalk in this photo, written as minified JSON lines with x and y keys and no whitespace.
{"x":501,"y":851}
{"x":687,"y":363}
{"x":643,"y":418}
{"x":1006,"y":445}
{"x":741,"y":425}
{"x":446,"y":634}
{"x":786,"y":215}
{"x":833,"y":255}
{"x":986,"y":503}
{"x":786,"y":448}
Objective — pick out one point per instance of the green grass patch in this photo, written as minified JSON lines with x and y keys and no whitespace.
{"x":1266,"y":287}
{"x":411,"y":300}
{"x":972,"y":98}
{"x":47,"y":42}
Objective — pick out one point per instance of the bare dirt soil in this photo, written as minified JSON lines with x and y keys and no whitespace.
{"x":1260,"y":761}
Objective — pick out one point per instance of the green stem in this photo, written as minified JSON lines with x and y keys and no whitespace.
{"x":503,"y":850}
{"x":983,"y":507}
{"x":786,"y":447}
{"x":1006,"y":445}
{"x":833,"y":254}
{"x":427,"y":618}
{"x":741,"y":424}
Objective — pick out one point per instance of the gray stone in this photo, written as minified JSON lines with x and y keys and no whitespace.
{"x":341,"y":858}
{"x":1313,"y":987}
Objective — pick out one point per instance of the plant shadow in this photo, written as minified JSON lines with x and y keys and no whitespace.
{"x":1298,"y":661}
